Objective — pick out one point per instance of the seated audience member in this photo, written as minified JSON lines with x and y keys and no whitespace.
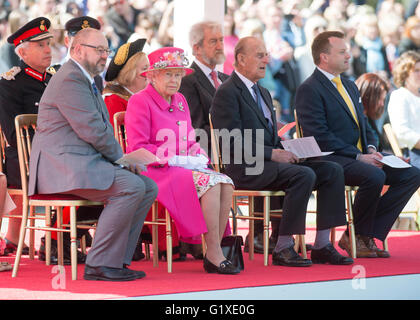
{"x":372,"y":57}
{"x":329,"y":107}
{"x":74,"y":151}
{"x":158,"y":119}
{"x":241,"y":105}
{"x":72,"y":27}
{"x":206,"y":40}
{"x":198,"y":88}
{"x":410,"y":39}
{"x":404,"y":104}
{"x":373,"y":90}
{"x":21,"y":89}
{"x":124,"y":76}
{"x":6,"y":205}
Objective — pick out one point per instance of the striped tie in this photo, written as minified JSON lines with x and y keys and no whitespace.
{"x":346,"y":98}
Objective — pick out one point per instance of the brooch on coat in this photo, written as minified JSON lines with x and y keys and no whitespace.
{"x":10,"y":75}
{"x":180,"y":107}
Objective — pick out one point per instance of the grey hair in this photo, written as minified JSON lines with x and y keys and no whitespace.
{"x":197,"y":31}
{"x":23,"y":45}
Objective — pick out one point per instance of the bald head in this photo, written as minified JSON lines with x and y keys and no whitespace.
{"x":251,"y":58}
{"x":85,"y":35}
{"x":90,"y":49}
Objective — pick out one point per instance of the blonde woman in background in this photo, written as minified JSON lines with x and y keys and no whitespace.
{"x":404,"y":104}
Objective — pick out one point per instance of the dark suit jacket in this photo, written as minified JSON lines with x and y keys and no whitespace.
{"x":322,"y":113}
{"x":199,"y":93}
{"x":234,"y":107}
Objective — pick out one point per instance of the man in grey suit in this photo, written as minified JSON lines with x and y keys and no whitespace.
{"x":74,"y":151}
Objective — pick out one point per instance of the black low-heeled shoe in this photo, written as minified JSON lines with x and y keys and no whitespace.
{"x":225,"y":267}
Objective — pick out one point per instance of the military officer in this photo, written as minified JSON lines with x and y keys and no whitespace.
{"x":21,"y":89}
{"x":22,"y":86}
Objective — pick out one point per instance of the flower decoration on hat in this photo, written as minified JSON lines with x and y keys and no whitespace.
{"x":172,"y":59}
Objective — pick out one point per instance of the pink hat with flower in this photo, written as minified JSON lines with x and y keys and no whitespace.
{"x":168,"y":58}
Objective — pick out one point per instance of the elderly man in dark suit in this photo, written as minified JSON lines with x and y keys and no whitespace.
{"x":329,"y":108}
{"x":74,"y":151}
{"x":242,"y":106}
{"x":206,"y":40}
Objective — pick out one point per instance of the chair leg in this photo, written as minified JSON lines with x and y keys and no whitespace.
{"x":352,"y":234}
{"x":147,"y":251}
{"x":31,"y":232}
{"x":251,"y":232}
{"x":385,"y":244}
{"x":47,"y":236}
{"x":333,"y":236}
{"x":60,"y":236}
{"x":155,"y":235}
{"x":22,"y":236}
{"x":83,"y":244}
{"x":302,"y":245}
{"x":168,"y":241}
{"x":73,"y":243}
{"x":266,"y":228}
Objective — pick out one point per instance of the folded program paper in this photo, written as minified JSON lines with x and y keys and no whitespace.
{"x":306,"y":147}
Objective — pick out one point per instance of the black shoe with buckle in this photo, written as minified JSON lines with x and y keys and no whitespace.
{"x":225,"y":267}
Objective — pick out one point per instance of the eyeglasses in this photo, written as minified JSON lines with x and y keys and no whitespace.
{"x":99,"y":49}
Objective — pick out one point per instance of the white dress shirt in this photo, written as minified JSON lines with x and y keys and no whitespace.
{"x":404,"y":115}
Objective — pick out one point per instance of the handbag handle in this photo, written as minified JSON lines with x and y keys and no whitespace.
{"x":234,"y":220}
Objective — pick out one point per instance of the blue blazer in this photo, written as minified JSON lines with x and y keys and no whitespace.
{"x":323,"y":113}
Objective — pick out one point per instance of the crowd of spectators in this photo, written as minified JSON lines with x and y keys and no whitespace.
{"x":377,"y":31}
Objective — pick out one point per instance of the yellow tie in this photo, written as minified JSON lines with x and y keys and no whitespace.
{"x":346,"y":98}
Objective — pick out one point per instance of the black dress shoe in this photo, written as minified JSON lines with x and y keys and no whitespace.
{"x":330,"y":255}
{"x":289,"y":258}
{"x":108,"y":274}
{"x":81,"y":258}
{"x":139,"y":274}
{"x":225,"y":267}
{"x":259,"y":244}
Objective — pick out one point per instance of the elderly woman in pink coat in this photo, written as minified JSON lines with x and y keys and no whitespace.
{"x":158,"y":119}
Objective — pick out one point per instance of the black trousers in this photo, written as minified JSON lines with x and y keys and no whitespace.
{"x":374,"y":214}
{"x":298,"y":181}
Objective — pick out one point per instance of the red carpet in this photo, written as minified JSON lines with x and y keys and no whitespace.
{"x":37,"y":281}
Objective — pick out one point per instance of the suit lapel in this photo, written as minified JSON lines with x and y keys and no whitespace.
{"x":249,"y":99}
{"x":202,"y":79}
{"x":333,"y":90}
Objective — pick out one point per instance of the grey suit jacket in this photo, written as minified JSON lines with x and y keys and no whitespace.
{"x":74,"y":145}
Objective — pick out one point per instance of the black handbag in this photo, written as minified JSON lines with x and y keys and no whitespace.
{"x":232,"y":248}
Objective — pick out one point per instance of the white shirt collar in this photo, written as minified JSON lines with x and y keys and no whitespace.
{"x":204,"y":68}
{"x":83,"y":70}
{"x":246,"y":81}
{"x":327,"y":74}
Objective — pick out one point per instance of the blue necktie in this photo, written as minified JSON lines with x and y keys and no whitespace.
{"x":95,"y":88}
{"x":260,"y":105}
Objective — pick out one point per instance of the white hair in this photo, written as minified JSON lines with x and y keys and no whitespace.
{"x":197,"y":31}
{"x":23,"y":45}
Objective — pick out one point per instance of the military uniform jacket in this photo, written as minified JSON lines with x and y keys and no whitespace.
{"x":21,"y":89}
